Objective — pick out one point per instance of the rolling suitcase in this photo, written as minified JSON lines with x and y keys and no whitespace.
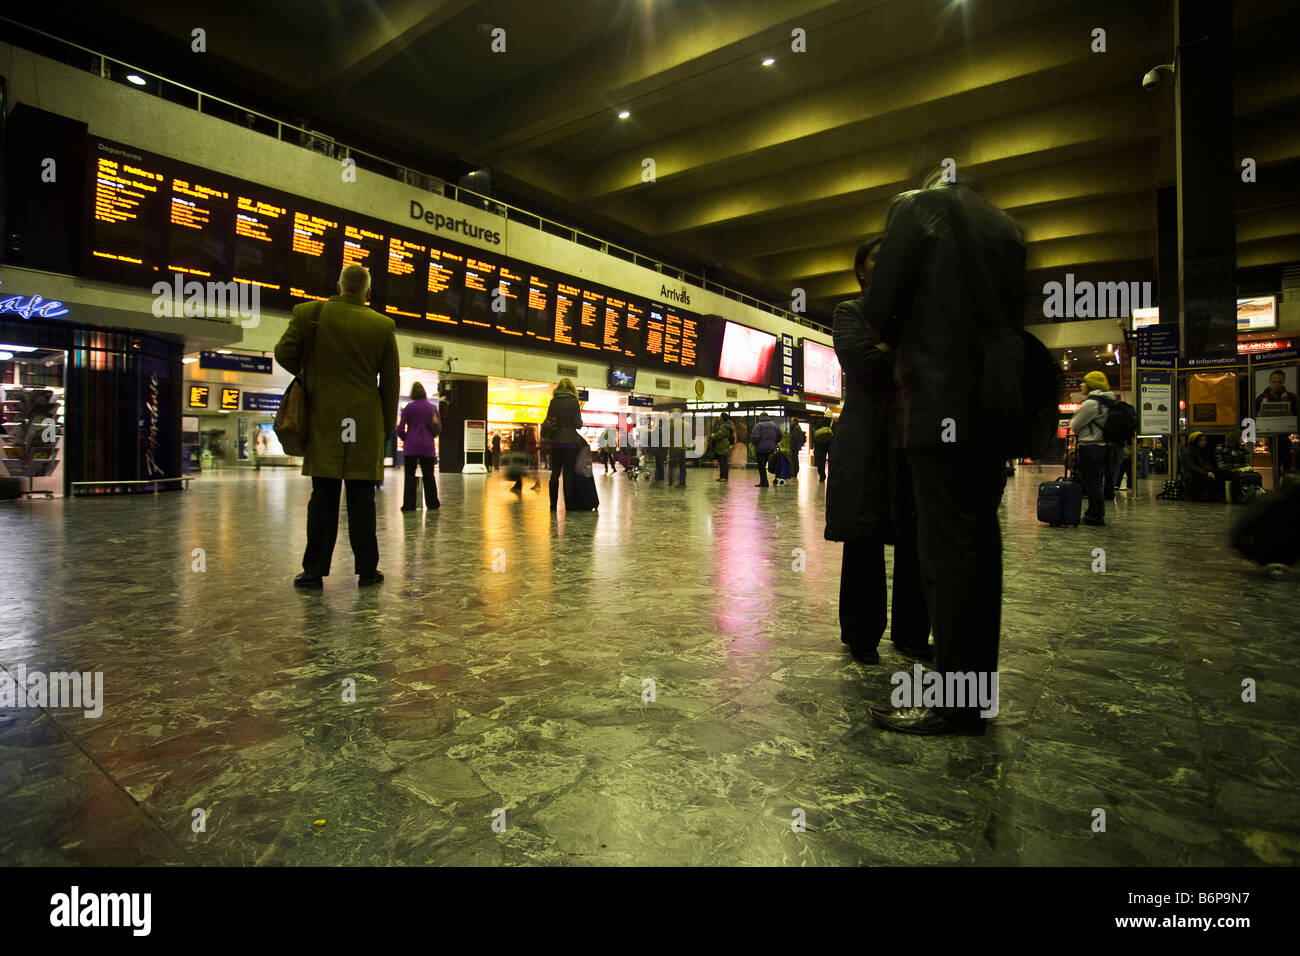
{"x":1060,"y":502}
{"x":1269,"y":531}
{"x":583,"y":497}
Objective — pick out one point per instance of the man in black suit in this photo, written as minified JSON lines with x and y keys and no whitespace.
{"x":941,"y":242}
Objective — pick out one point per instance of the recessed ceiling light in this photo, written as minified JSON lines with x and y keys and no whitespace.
{"x":189,"y":361}
{"x":624,"y":114}
{"x":6,"y":356}
{"x":135,"y":78}
{"x":769,"y":61}
{"x":224,"y":352}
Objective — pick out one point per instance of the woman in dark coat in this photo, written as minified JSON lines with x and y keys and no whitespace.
{"x":561,"y":432}
{"x":868,"y":493}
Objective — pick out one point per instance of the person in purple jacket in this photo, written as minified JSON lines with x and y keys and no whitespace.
{"x":418,"y":427}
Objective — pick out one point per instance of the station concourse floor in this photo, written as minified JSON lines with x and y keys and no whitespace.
{"x":520,"y":689}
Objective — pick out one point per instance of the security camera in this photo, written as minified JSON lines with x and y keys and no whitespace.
{"x":1152,"y":79}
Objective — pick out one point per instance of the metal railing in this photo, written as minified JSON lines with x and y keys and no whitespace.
{"x":212,"y":105}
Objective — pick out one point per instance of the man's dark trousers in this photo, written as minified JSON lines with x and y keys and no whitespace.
{"x":323,"y":525}
{"x":959,"y":546}
{"x":724,"y":466}
{"x":762,"y":457}
{"x":1092,"y":465}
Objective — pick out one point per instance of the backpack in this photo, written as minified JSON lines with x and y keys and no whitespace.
{"x":1121,"y":421}
{"x":1020,"y":382}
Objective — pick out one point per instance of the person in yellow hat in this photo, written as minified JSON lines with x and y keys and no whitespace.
{"x":1087,"y":424}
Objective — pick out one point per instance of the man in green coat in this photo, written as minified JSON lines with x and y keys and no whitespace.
{"x":344,"y":346}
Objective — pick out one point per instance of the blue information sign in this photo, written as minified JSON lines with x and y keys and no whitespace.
{"x":262,"y":401}
{"x":1157,"y":345}
{"x":235,"y":362}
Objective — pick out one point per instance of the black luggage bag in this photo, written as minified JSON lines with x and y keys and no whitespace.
{"x":583,"y":496}
{"x":1269,"y":531}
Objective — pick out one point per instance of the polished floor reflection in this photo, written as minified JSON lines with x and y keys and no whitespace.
{"x":502,"y":675}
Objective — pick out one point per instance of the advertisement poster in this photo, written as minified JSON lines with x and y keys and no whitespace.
{"x":266,"y":444}
{"x":1273,"y":400}
{"x":1212,"y":399}
{"x":1155,"y":403}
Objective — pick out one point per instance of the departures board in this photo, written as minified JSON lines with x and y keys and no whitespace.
{"x":149,"y":217}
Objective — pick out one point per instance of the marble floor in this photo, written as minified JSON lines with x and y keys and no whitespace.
{"x":500,"y":682}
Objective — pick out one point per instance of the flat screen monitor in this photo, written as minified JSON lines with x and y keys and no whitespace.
{"x":821,"y":371}
{"x":622,"y":377}
{"x":747,"y":355}
{"x":1257,"y":315}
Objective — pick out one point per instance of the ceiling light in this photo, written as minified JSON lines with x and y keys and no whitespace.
{"x":135,"y":78}
{"x":6,"y":356}
{"x":18,"y":348}
{"x":224,"y":352}
{"x":189,"y":361}
{"x":624,"y":114}
{"x":769,"y":61}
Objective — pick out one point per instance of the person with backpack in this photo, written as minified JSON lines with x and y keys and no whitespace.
{"x":797,"y":440}
{"x":723,"y":437}
{"x":822,"y":439}
{"x":1232,"y":463}
{"x":1093,"y":450}
{"x":766,"y":436}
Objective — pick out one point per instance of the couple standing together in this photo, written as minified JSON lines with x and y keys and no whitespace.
{"x":912,"y":465}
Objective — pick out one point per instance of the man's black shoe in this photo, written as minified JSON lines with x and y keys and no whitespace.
{"x":925,"y":653}
{"x":369,"y":580}
{"x":864,"y":653}
{"x":310,"y":581}
{"x":927,"y":722}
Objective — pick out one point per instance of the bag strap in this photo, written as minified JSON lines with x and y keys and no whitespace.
{"x":309,"y":338}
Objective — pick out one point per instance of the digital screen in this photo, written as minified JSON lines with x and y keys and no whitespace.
{"x":622,"y":377}
{"x":1144,"y":317}
{"x":539,"y":299}
{"x":151,"y":214}
{"x":230,"y":399}
{"x":568,"y":303}
{"x":406,"y":280}
{"x":509,"y":313}
{"x":200,"y":221}
{"x":444,"y":286}
{"x":266,"y":443}
{"x":476,"y":304}
{"x":821,"y":370}
{"x":199,"y":396}
{"x":1257,"y":315}
{"x":747,"y":355}
{"x":127,"y":214}
{"x":311,"y":245}
{"x":260,"y":238}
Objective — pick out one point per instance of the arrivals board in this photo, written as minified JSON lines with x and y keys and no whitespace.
{"x":150,"y":216}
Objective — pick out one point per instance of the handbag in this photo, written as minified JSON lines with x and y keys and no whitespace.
{"x":291,"y":418}
{"x":435,"y":423}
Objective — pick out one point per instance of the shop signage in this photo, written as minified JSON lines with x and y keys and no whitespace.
{"x":151,"y":437}
{"x":262,"y":401}
{"x":516,"y":413}
{"x":260,"y":364}
{"x":1271,"y":345}
{"x":1068,"y":407}
{"x":27,"y":306}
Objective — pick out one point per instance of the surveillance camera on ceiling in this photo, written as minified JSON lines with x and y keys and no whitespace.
{"x":1152,"y":79}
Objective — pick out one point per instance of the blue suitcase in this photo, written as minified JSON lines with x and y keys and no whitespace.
{"x":1060,"y":502}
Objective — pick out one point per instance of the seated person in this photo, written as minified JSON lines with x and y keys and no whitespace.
{"x":1198,"y":470}
{"x":1232,"y":464}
